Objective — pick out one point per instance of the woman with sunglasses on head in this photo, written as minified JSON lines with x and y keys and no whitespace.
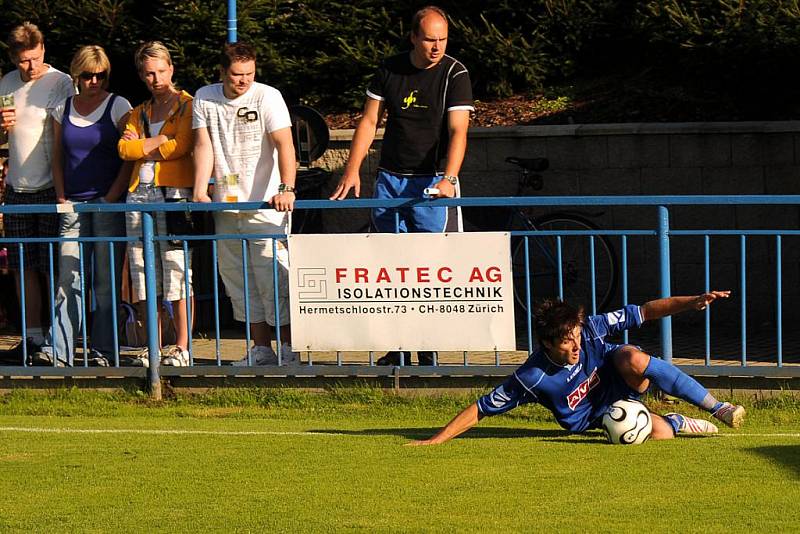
{"x":87,"y":169}
{"x":158,"y":139}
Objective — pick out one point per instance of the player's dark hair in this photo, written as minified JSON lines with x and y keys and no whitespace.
{"x":233,"y":52}
{"x":554,"y":319}
{"x":419,"y":15}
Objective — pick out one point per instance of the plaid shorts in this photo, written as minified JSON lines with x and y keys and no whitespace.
{"x":170,"y":266}
{"x":22,"y":225}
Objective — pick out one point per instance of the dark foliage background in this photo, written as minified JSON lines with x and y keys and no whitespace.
{"x":726,"y":59}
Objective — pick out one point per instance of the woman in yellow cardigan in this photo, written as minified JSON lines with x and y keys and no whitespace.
{"x":159,"y":138}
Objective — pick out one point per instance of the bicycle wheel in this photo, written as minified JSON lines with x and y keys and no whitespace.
{"x":575,"y":264}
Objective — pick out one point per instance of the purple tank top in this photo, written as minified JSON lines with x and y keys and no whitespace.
{"x":91,"y":160}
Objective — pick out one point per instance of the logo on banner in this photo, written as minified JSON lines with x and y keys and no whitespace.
{"x":312,"y":282}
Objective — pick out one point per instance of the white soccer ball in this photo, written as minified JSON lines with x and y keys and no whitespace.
{"x":627,"y":422}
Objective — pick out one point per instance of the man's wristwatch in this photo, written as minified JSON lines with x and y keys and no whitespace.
{"x":283,"y":188}
{"x":452,"y":179}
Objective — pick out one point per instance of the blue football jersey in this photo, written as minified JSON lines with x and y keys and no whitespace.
{"x":576,"y":394}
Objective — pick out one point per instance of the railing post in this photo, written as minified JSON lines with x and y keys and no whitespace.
{"x":153,"y":345}
{"x":663,"y":268}
{"x":232,"y":21}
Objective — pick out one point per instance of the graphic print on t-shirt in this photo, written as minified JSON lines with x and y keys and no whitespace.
{"x":411,"y":101}
{"x":417,"y":102}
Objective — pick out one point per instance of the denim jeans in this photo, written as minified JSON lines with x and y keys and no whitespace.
{"x":97,"y":277}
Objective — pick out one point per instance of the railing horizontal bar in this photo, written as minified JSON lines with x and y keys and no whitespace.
{"x":346,"y":370}
{"x":733,"y":232}
{"x":9,"y":371}
{"x":754,"y":371}
{"x":216,"y":237}
{"x":617,"y":200}
{"x":55,"y":239}
{"x":583,"y":232}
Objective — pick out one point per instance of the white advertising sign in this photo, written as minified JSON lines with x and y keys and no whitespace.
{"x":357,"y":292}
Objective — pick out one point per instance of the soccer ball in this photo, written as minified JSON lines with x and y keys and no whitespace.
{"x":627,"y":422}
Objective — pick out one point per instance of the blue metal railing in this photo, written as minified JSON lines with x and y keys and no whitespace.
{"x":660,"y":230}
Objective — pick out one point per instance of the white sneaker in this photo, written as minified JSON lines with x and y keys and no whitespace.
{"x":689,"y":425}
{"x":288,"y":356}
{"x":140,"y":360}
{"x":258,"y":356}
{"x":730,"y":414}
{"x":176,"y":357}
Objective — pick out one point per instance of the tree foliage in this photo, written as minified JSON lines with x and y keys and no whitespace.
{"x":323,"y":51}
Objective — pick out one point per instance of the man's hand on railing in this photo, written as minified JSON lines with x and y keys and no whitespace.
{"x":446,"y":189}
{"x":346,"y":183}
{"x":201,"y":197}
{"x":283,"y":201}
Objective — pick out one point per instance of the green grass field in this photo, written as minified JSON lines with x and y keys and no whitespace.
{"x":267,"y":460}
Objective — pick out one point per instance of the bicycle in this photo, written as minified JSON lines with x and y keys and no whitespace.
{"x":543,"y":250}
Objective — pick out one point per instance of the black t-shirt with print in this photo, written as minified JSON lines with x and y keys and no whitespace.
{"x":417,"y":102}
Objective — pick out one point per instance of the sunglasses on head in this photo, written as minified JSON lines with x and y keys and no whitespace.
{"x":89,"y":75}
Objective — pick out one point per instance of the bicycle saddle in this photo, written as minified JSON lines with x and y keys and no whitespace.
{"x":530,"y":164}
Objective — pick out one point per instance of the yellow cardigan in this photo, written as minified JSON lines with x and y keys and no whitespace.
{"x":176,"y":169}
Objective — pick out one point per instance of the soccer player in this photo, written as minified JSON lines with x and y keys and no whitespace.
{"x":577,"y":374}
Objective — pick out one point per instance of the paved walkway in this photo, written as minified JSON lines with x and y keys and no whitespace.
{"x":688,"y":349}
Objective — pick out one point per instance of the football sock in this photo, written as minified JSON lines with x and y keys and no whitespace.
{"x":675,"y":382}
{"x":675,"y":420}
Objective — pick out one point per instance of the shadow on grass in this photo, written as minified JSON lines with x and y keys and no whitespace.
{"x":786,"y":455}
{"x":475,"y":433}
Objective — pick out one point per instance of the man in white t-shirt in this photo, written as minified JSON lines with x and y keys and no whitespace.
{"x":36,"y":88}
{"x":243,"y":139}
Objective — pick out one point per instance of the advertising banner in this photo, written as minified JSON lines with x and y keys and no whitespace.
{"x":356,"y":292}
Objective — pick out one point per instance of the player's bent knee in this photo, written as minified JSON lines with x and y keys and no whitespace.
{"x":631,"y":361}
{"x":631,"y":364}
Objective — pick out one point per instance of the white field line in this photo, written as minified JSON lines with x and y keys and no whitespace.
{"x":48,"y":430}
{"x":745,"y":435}
{"x":158,"y":431}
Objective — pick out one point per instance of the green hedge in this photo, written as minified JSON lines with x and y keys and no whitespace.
{"x":323,"y":52}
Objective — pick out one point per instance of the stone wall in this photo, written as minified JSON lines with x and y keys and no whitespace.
{"x":647,"y":159}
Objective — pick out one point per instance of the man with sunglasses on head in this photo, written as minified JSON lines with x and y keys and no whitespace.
{"x":243,"y":139}
{"x":29,"y":94}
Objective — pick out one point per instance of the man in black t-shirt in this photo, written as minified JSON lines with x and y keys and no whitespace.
{"x":428,"y":96}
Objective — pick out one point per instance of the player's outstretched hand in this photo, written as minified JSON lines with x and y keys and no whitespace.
{"x":701,"y":301}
